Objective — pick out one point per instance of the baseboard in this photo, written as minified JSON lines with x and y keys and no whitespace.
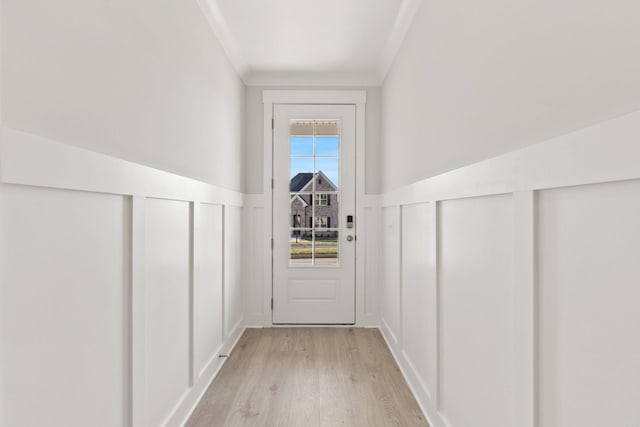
{"x":368,"y":321}
{"x":192,"y":398}
{"x":429,"y":410}
{"x":387,"y":332}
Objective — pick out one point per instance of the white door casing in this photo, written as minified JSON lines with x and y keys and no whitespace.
{"x":318,"y":288}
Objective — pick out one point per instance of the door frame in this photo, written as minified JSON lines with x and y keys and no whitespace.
{"x":270,"y":98}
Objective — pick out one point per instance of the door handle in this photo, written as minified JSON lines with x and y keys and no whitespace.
{"x":350,"y":238}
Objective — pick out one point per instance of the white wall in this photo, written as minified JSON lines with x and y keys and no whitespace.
{"x":120,"y":283}
{"x":509,"y":286}
{"x":254,"y":137}
{"x":145,"y":81}
{"x":473,"y":80}
{"x":121,"y":286}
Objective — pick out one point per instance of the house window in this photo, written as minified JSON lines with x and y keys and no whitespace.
{"x":323,"y":222}
{"x":296,"y":221}
{"x":322,"y":200}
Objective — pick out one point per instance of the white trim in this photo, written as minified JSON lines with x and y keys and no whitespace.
{"x":329,"y":97}
{"x":30,"y":160}
{"x":218,"y":24}
{"x":604,"y":152}
{"x":297,"y":196}
{"x":138,"y":313}
{"x":524,"y":307}
{"x":410,"y":376}
{"x":317,"y":79}
{"x":252,"y":77}
{"x":204,"y":385}
{"x":56,"y":165}
{"x":321,"y":97}
{"x":401,"y":26}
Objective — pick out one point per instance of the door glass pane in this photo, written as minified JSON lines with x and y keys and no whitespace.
{"x":326,"y":247}
{"x":314,"y":192}
{"x":301,"y":246}
{"x":301,"y":145}
{"x":327,"y":146}
{"x":326,"y":210}
{"x":328,"y":174}
{"x":300,"y":173}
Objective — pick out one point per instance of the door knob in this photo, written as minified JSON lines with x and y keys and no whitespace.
{"x":350,"y":238}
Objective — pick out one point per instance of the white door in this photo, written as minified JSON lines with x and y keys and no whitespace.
{"x":314,"y":214}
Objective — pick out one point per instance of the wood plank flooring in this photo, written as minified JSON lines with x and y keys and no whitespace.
{"x":309,"y":377}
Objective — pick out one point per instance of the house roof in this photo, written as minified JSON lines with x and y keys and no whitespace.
{"x":299,"y":181}
{"x":302,"y":179}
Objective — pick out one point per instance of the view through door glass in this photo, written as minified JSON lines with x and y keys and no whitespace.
{"x":314,"y":185}
{"x":313,"y":195}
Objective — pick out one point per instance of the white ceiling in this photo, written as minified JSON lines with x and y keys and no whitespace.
{"x":331,"y":42}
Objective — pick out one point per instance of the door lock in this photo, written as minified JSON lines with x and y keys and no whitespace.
{"x":349,"y":221}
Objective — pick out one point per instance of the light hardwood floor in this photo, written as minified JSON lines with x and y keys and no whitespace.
{"x":309,"y":377}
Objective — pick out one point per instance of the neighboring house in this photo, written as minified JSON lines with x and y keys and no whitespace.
{"x":326,"y":205}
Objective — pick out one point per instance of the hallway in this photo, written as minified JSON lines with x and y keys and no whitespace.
{"x":454,"y":185}
{"x":309,"y":377}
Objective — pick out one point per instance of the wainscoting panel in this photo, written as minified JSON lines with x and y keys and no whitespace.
{"x":391,"y":291}
{"x":120,"y":287}
{"x":419,"y":292}
{"x":476,"y":311}
{"x":372,"y":269}
{"x":233,"y":240}
{"x":167,"y":306}
{"x":253,"y":263}
{"x":537,"y":278}
{"x":207,"y":285}
{"x":65,"y":298}
{"x":589,"y":289}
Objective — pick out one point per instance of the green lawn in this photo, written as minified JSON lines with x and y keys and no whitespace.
{"x":324,"y":248}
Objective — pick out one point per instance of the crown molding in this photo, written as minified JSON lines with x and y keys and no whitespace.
{"x":374,"y":77}
{"x":305,"y":79}
{"x":218,"y":24}
{"x":404,"y":19}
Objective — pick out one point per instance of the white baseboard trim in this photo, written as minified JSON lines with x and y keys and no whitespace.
{"x":233,"y":335}
{"x":411,"y":377}
{"x":387,"y":332}
{"x":190,"y":402}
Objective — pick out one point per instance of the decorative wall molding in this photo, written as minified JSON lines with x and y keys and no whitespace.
{"x":251,"y":77}
{"x":402,"y":24}
{"x":28,"y":161}
{"x":604,"y":153}
{"x":218,"y":24}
